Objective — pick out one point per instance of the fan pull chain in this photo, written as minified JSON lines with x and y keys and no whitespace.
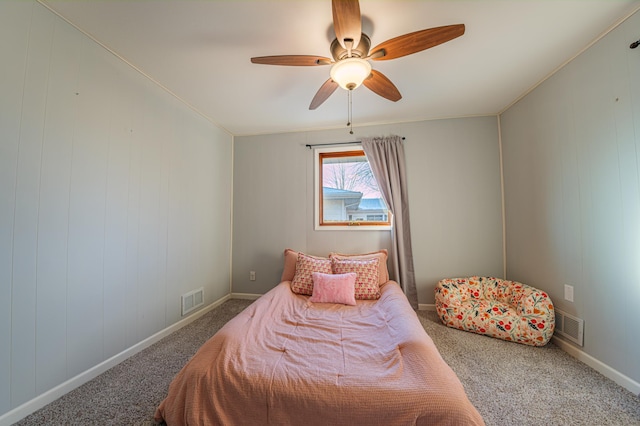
{"x":350,"y":111}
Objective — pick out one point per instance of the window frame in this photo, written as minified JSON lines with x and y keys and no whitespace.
{"x":319,"y":225}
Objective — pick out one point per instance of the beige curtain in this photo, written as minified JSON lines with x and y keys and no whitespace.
{"x":386,"y":157}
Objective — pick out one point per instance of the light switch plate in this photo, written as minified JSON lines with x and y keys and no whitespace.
{"x":568,"y":293}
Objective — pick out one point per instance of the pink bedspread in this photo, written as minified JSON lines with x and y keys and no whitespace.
{"x":287,"y":361}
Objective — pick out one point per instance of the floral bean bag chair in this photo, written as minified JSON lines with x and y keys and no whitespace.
{"x":507,"y":310}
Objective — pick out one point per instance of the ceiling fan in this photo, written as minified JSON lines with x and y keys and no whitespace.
{"x":351,"y":53}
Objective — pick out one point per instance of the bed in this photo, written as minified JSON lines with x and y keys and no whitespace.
{"x":288,"y":361}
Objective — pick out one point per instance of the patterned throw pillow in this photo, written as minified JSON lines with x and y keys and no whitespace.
{"x":334,"y":288}
{"x":381,"y":255}
{"x":367,"y":287}
{"x":305,"y":266}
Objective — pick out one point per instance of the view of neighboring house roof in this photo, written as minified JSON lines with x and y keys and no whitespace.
{"x":372,"y":204}
{"x":339,"y":193}
{"x":353,"y":199}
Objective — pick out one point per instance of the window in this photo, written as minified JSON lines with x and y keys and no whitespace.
{"x":347,"y":194}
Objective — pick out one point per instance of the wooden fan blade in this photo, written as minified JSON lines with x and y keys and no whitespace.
{"x":347,"y":22}
{"x":415,"y":42}
{"x":292,"y":60}
{"x":323,"y":93}
{"x":379,"y":84}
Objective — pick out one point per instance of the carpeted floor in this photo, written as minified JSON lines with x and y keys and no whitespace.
{"x":510,"y":384}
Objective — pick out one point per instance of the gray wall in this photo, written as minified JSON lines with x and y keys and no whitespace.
{"x":571,"y":154}
{"x":114,"y":201}
{"x":455,"y":200}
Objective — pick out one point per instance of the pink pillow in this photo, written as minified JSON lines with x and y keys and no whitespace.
{"x":367,"y":286}
{"x":289,"y":270}
{"x":330,"y":288}
{"x":302,"y":282}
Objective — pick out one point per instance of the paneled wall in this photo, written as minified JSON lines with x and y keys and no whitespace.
{"x":114,"y":201}
{"x":572,"y":189}
{"x":454,"y":191}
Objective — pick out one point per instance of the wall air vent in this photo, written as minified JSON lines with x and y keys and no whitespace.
{"x":192,"y":300}
{"x":570,"y":327}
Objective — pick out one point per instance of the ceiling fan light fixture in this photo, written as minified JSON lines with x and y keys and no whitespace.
{"x":349,"y":73}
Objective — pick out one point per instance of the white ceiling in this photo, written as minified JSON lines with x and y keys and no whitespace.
{"x":201,"y":50}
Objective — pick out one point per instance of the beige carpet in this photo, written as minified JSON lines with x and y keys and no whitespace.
{"x":510,"y":384}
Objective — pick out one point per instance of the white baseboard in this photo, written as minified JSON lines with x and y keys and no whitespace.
{"x":246,"y":296}
{"x":426,"y":307}
{"x":51,"y":395}
{"x":599,"y":366}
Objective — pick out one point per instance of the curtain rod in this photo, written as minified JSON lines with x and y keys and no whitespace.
{"x":335,"y":143}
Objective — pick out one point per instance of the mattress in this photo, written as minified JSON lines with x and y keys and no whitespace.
{"x":287,"y":361}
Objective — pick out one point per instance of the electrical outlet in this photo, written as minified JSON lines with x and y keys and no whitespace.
{"x":252,"y":275}
{"x":568,"y":293}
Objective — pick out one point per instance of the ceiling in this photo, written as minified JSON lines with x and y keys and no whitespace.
{"x":201,"y":50}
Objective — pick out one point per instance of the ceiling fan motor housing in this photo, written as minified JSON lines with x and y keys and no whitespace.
{"x":360,"y":51}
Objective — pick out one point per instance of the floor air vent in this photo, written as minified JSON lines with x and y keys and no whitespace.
{"x":192,"y":300}
{"x":570,"y":327}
